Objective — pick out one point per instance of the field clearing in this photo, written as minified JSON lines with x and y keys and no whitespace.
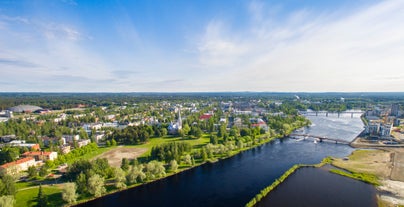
{"x":398,"y":167}
{"x":375,"y":162}
{"x":27,"y":197}
{"x":115,"y":155}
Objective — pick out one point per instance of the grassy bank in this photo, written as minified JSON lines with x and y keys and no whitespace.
{"x":365,"y":177}
{"x":264,"y":192}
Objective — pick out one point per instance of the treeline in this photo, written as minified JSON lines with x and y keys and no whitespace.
{"x":136,"y":134}
{"x":170,"y":151}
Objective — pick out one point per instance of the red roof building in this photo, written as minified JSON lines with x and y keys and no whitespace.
{"x":205,"y":116}
{"x":18,"y":165}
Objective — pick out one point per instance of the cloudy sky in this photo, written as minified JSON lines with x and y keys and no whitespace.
{"x":210,"y":45}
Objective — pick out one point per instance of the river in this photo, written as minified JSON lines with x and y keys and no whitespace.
{"x":234,"y":181}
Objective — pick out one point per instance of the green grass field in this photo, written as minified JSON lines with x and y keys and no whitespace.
{"x":196,"y":143}
{"x":27,"y":197}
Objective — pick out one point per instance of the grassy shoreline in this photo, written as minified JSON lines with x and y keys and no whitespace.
{"x":264,"y":192}
{"x":216,"y":159}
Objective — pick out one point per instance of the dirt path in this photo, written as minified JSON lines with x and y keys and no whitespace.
{"x":115,"y":156}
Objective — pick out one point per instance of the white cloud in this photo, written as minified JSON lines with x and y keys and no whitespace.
{"x":218,"y":48}
{"x":340,"y":51}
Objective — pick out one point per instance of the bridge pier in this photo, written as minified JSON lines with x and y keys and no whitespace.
{"x":316,"y":113}
{"x":326,"y":114}
{"x":338,"y":114}
{"x":351,"y":115}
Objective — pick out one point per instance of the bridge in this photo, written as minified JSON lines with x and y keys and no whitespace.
{"x":316,"y":113}
{"x":321,"y":139}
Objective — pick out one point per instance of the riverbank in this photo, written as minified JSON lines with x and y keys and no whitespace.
{"x":385,"y":163}
{"x":264,"y":139}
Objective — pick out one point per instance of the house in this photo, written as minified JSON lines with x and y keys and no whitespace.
{"x":41,"y":156}
{"x":204,"y":117}
{"x":17,"y":166}
{"x":7,"y":138}
{"x":65,"y":149}
{"x":83,"y":142}
{"x":259,"y":123}
{"x":50,"y":140}
{"x":21,"y":143}
{"x":70,"y":138}
{"x":99,"y":136}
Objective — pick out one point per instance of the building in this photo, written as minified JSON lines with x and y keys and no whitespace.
{"x":205,"y":117}
{"x":6,"y":113}
{"x":259,"y":123}
{"x":17,"y":166}
{"x":385,"y":130}
{"x":8,"y":138}
{"x":41,"y":156}
{"x":174,"y":127}
{"x":378,"y":129}
{"x":395,"y":109}
{"x":70,"y":138}
{"x":21,"y":143}
{"x":24,"y":108}
{"x":65,"y":149}
{"x":83,"y":142}
{"x":50,"y":140}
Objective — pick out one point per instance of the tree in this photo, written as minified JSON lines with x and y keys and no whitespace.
{"x":83,"y":134}
{"x":188,"y":159}
{"x":43,"y":171}
{"x":69,"y":193}
{"x":155,"y":169}
{"x":245,"y":132}
{"x":186,"y":129}
{"x":125,"y":164}
{"x":95,"y":185}
{"x":81,"y":183}
{"x":173,"y":166}
{"x":113,"y":142}
{"x":7,"y":185}
{"x":7,"y":201}
{"x":135,"y":174}
{"x":204,"y":155}
{"x":213,"y":139}
{"x":119,"y":178}
{"x":32,"y":172}
{"x":42,"y":200}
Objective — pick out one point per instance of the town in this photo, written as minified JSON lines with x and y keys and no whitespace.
{"x":114,"y":145}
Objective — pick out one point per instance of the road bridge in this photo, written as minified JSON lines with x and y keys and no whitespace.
{"x":321,"y":138}
{"x":317,"y":113}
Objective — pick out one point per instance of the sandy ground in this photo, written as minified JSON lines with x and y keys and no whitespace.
{"x":115,"y":156}
{"x":388,"y":164}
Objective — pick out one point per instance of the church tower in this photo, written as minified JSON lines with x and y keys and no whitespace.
{"x":179,"y":123}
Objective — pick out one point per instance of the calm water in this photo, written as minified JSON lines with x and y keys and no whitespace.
{"x":234,"y":181}
{"x":317,"y":187}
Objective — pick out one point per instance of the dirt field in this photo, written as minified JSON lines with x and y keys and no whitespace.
{"x":115,"y":156}
{"x":398,"y":167}
{"x":388,"y":165}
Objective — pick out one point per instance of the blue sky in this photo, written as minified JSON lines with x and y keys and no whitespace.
{"x":175,"y":46}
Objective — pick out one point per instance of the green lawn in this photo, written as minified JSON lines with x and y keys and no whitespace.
{"x":92,"y":154}
{"x":28,"y":197}
{"x":196,"y":143}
